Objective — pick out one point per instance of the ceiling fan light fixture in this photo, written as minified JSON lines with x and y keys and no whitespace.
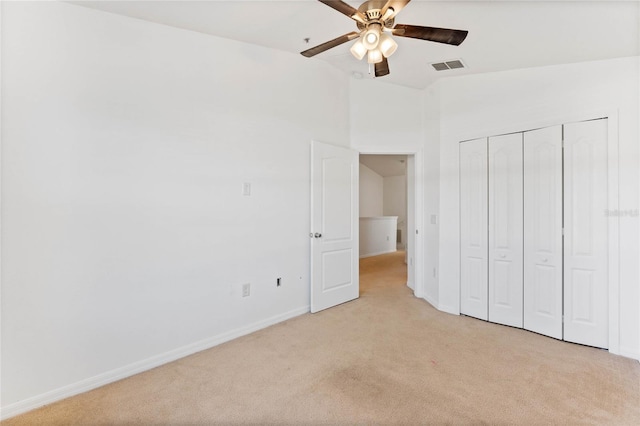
{"x":358,"y":50}
{"x":374,"y":56}
{"x":387,"y":45}
{"x":371,"y":36}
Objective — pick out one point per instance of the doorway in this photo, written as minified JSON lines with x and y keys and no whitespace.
{"x":387,"y":209}
{"x":335,"y":224}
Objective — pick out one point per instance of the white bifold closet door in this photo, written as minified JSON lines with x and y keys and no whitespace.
{"x":473,"y":228}
{"x":585,"y":241}
{"x":543,"y":231}
{"x":505,"y":229}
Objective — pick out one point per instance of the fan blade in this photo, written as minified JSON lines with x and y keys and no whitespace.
{"x":345,"y":9}
{"x":382,"y":68}
{"x":439,"y":35}
{"x":395,"y":5}
{"x":328,"y":45}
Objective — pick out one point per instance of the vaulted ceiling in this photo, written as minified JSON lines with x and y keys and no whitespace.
{"x":503,"y":35}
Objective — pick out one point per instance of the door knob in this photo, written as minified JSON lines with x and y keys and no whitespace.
{"x":318,"y":235}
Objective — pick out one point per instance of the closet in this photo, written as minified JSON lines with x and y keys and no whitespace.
{"x":533,"y":231}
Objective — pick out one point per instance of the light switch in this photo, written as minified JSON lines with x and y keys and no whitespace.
{"x":434,"y":219}
{"x":246,"y":189}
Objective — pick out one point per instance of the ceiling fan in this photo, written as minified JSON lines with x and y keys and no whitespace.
{"x":376,"y":23}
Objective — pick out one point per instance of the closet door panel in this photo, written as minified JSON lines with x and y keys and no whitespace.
{"x":473,"y":228}
{"x":505,"y":229}
{"x":543,"y":231}
{"x":585,"y":251}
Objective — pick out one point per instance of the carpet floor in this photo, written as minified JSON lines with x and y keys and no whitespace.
{"x":385,"y":358}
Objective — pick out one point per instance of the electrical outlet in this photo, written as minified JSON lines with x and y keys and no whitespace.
{"x":246,"y":189}
{"x":246,"y":290}
{"x":278,"y":282}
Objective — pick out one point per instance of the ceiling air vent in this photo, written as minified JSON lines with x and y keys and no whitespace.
{"x":448,"y":65}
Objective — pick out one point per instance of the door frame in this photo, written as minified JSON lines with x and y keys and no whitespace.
{"x":415,"y":258}
{"x":613,"y":234}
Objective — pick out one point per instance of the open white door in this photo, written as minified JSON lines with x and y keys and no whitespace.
{"x":334,"y":226}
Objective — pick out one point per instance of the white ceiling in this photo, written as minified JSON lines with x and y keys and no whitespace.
{"x":386,"y":165}
{"x":503,"y":35}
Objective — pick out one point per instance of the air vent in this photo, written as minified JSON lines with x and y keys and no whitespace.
{"x":448,"y":65}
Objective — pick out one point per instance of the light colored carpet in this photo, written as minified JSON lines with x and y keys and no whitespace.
{"x":384,"y":358}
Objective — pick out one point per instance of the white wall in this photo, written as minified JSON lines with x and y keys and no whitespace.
{"x":126,"y":237}
{"x":489,"y":104}
{"x":385,"y":116}
{"x":377,"y":235}
{"x":431,"y":106}
{"x":371,"y":192}
{"x":395,"y":201}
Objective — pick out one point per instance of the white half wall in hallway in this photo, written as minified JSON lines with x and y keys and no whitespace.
{"x":377,"y":235}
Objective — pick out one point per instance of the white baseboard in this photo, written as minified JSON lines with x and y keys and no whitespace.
{"x":448,"y":309}
{"x":85,"y":385}
{"x":630,"y":353}
{"x":442,"y":308}
{"x":430,"y":300}
{"x":378,"y":253}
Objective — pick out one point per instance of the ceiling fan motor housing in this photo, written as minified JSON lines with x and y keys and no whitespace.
{"x":374,"y":14}
{"x":386,"y":24}
{"x":372,"y":10}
